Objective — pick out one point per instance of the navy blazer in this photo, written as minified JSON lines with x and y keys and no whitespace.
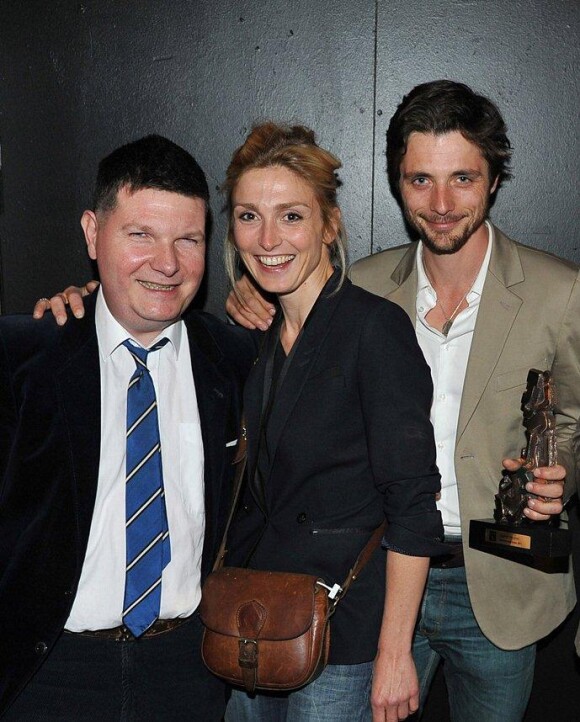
{"x":350,"y":443}
{"x":49,"y":462}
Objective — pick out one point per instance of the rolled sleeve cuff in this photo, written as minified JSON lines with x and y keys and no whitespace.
{"x":418,"y":536}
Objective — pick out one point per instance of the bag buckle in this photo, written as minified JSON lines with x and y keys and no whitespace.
{"x":248,"y":653}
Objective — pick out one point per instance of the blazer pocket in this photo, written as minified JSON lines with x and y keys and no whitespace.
{"x":511,"y":379}
{"x":322,"y":531}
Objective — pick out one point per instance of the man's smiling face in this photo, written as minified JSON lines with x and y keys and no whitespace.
{"x":150,"y":251}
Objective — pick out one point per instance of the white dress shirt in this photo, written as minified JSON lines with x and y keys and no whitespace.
{"x":447,"y":358}
{"x":99,"y":600}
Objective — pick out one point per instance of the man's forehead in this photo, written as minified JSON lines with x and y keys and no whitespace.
{"x":441,"y":150}
{"x":156,"y":195}
{"x":151,"y":204}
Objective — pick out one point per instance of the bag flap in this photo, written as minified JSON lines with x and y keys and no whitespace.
{"x":256,"y":604}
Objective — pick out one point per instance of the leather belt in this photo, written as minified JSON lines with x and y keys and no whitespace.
{"x":451,"y":560}
{"x":123,"y":634}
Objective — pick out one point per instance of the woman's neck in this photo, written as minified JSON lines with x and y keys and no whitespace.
{"x":297,"y":305}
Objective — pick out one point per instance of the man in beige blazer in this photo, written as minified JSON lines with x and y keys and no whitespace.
{"x":486,"y":309}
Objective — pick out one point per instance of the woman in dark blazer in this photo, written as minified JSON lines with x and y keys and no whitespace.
{"x":337,"y":411}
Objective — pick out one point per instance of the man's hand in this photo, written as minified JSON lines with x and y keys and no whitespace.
{"x":395,"y":691}
{"x":248,"y":307}
{"x":548,"y":484}
{"x":71,"y":296}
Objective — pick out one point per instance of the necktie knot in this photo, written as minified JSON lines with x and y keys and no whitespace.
{"x":140,"y":354}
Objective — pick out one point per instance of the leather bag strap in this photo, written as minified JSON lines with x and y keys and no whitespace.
{"x":362,"y":559}
{"x":240,"y":462}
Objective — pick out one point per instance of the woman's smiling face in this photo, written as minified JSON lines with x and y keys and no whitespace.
{"x":279,"y":230}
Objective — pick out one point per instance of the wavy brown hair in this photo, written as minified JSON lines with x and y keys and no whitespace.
{"x":444,"y":106}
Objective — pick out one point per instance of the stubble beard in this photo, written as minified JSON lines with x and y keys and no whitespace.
{"x":445,"y":243}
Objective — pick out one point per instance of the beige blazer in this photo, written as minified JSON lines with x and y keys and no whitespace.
{"x":529,"y":317}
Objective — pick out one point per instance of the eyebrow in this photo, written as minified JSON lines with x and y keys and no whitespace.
{"x":280,"y":206}
{"x":144,"y":228}
{"x":466,"y":171}
{"x":135,"y":224}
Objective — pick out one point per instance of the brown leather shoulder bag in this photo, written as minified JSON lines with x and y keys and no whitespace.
{"x":269,"y":630}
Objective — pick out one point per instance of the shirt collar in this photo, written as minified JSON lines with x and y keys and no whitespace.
{"x":111,"y":334}
{"x":480,"y":280}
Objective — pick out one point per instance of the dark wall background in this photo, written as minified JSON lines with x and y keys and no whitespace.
{"x":79,"y":78}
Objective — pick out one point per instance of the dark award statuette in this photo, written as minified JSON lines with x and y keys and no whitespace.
{"x":510,"y":530}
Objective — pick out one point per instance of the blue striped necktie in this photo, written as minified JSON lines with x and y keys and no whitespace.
{"x":147,"y":532}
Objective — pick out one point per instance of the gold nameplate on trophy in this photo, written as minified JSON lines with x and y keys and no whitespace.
{"x":507,"y":539}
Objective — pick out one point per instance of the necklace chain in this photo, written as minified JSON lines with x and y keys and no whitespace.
{"x":450,"y":319}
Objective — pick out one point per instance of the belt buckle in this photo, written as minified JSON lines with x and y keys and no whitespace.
{"x":124,"y":634}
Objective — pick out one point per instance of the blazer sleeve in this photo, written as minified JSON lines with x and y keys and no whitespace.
{"x":396,"y":393}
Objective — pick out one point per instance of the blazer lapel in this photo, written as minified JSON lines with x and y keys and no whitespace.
{"x":313,"y":334}
{"x":78,"y":382}
{"x":405,"y":276}
{"x":212,"y":391}
{"x":253,"y":405}
{"x":498,"y":309}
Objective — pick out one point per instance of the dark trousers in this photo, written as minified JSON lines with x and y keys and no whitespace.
{"x":157,"y":679}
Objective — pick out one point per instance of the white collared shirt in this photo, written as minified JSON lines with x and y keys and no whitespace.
{"x":447,"y":358}
{"x":99,"y":600}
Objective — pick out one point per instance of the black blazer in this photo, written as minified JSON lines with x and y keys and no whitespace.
{"x":350,"y":442}
{"x":49,"y":461}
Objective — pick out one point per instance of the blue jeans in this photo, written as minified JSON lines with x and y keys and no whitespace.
{"x":484,"y":683}
{"x":341,"y":694}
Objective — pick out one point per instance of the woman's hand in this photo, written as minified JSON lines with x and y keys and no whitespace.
{"x":71,"y":296}
{"x":395,"y":691}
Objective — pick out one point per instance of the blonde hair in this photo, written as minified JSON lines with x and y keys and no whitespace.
{"x":295,"y":148}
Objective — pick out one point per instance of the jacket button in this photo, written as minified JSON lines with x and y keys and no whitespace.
{"x":301,"y":518}
{"x":68,"y":593}
{"x":40,"y":648}
{"x":246,"y":508}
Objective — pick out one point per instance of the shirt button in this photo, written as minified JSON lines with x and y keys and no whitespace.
{"x":440,"y":445}
{"x":442,"y":397}
{"x":301,"y":518}
{"x":40,"y":648}
{"x":421,"y":309}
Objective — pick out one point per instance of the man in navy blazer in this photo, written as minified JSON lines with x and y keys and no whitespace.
{"x":65,"y":652}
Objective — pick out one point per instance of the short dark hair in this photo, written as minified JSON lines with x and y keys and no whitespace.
{"x":443,"y":106}
{"x":150,"y":162}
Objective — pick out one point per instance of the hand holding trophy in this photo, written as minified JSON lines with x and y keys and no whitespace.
{"x":510,"y":529}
